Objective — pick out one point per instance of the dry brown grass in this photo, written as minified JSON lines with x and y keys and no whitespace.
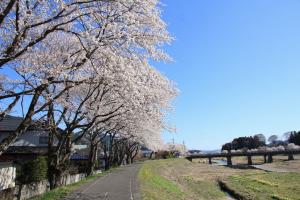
{"x":201,"y":170}
{"x":199,"y":180}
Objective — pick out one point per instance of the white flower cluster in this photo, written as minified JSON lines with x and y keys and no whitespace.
{"x":292,"y":146}
{"x":262,"y":149}
{"x":90,"y":61}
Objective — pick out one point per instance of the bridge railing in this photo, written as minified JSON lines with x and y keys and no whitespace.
{"x":268,"y":155}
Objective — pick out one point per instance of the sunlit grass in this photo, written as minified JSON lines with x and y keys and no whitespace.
{"x":266,"y":186}
{"x":155,"y":186}
{"x":166,"y":180}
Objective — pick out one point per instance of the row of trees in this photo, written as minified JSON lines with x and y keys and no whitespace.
{"x":259,"y":140}
{"x":244,"y":142}
{"x":294,"y":137}
{"x":81,"y":69}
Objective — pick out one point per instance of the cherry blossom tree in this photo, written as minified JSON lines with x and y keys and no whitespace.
{"x":55,"y":46}
{"x":140,"y":120}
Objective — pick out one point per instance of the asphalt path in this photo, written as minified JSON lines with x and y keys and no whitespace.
{"x":121,"y":184}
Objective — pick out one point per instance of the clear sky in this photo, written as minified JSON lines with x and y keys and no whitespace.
{"x":237,"y":65}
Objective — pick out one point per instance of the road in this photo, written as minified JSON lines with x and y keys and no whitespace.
{"x":121,"y":184}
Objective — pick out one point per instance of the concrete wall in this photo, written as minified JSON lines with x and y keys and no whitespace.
{"x":27,"y":191}
{"x":7,"y":176}
{"x":30,"y":190}
{"x":69,"y":179}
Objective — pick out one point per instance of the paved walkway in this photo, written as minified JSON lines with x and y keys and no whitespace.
{"x":121,"y":184}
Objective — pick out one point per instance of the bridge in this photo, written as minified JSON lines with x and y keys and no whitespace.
{"x":267,"y":155}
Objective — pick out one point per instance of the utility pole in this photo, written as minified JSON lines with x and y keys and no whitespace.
{"x":184,"y":148}
{"x":173,"y":145}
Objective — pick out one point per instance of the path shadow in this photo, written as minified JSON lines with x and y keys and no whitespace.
{"x":240,"y":166}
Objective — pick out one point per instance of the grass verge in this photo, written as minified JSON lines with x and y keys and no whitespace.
{"x":61,"y":192}
{"x":155,"y":186}
{"x":171,"y":179}
{"x":266,"y":186}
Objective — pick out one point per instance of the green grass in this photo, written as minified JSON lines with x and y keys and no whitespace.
{"x":155,"y":186}
{"x":61,"y":192}
{"x":205,"y":189}
{"x":266,"y":186}
{"x":166,"y":180}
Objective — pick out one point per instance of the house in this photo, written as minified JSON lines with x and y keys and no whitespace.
{"x":29,"y":145}
{"x":32,"y":143}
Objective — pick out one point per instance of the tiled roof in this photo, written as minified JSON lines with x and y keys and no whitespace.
{"x":26,"y":150}
{"x":10,"y":123}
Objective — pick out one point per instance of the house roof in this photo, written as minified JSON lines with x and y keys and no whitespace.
{"x":10,"y":123}
{"x":79,"y":157}
{"x":26,"y":150}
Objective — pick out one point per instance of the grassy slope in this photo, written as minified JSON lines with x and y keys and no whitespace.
{"x":155,"y":186}
{"x":165,"y":180}
{"x":266,"y":186}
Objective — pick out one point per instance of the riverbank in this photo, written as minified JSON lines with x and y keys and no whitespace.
{"x":181,"y":179}
{"x":264,"y":186}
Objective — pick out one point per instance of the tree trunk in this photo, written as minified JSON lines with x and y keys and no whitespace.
{"x":135,"y":153}
{"x":127,"y":159}
{"x":270,"y":158}
{"x":58,"y":161}
{"x":92,"y":158}
{"x":151,"y":154}
{"x":229,"y":162}
{"x":53,"y":172}
{"x":249,"y":160}
{"x":106,"y":161}
{"x":291,"y":156}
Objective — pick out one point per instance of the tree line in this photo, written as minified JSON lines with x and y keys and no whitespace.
{"x":259,"y":140}
{"x":81,"y":69}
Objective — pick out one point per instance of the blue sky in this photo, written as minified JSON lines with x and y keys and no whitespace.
{"x":237,"y":65}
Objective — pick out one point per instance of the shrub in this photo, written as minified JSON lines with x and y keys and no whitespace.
{"x":163,"y":155}
{"x":37,"y":169}
{"x":32,"y":171}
